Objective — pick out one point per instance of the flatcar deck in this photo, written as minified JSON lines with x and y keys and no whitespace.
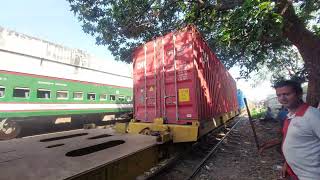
{"x":93,"y":153}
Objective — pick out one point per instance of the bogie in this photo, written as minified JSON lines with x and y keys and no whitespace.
{"x":9,"y":129}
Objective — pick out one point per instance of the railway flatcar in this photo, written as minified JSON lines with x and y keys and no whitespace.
{"x":181,"y":87}
{"x":44,"y":81}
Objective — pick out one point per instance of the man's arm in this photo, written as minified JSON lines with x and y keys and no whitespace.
{"x":283,"y":172}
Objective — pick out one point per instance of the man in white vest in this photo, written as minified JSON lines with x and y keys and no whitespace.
{"x":301,"y":133}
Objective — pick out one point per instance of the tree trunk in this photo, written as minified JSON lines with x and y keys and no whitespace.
{"x":308,"y":45}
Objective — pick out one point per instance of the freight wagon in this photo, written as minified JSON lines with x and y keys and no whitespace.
{"x":240,"y":97}
{"x":181,"y":89}
{"x":40,"y":80}
{"x":181,"y":92}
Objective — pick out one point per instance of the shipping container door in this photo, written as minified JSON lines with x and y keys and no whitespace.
{"x":145,"y":83}
{"x":178,"y":92}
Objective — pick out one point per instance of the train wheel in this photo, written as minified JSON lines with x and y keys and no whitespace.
{"x":9,"y":129}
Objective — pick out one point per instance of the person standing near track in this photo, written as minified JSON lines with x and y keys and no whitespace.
{"x":301,"y":133}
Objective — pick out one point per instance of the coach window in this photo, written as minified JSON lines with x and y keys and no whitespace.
{"x":121,"y":98}
{"x":21,"y":92}
{"x":43,"y":94}
{"x":2,"y":91}
{"x":91,"y":96}
{"x":103,"y":97}
{"x":78,"y":95}
{"x":62,"y":94}
{"x":112,"y":97}
{"x":129,"y":98}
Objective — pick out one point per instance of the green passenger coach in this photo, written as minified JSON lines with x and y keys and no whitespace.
{"x":23,"y":95}
{"x":46,"y":81}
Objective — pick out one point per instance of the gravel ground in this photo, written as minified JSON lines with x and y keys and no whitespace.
{"x":239,"y":159}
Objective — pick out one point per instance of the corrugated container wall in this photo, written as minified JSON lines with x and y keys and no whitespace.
{"x":177,"y":77}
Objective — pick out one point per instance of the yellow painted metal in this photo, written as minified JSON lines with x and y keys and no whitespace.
{"x":121,"y":127}
{"x":158,"y":121}
{"x":207,"y":126}
{"x":232,"y":114}
{"x":184,"y":133}
{"x":179,"y":133}
{"x":126,"y":168}
{"x":225,"y":117}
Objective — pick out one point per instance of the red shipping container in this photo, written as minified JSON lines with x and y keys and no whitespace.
{"x":177,"y":77}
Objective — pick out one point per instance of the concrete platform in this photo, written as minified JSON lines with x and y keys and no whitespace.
{"x":45,"y":157}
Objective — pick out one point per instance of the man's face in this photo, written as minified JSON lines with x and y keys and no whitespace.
{"x":288,"y":97}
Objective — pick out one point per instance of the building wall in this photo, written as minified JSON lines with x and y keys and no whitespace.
{"x":22,"y":53}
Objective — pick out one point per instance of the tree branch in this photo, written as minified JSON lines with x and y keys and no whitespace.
{"x":227,"y":4}
{"x":223,"y":5}
{"x":134,"y":18}
{"x":289,"y":2}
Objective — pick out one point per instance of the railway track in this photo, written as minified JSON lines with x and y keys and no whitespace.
{"x":187,"y":164}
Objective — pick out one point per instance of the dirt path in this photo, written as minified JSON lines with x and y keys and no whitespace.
{"x":240,"y":159}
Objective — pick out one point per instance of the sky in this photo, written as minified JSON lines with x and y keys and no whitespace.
{"x":50,"y":20}
{"x":53,"y":21}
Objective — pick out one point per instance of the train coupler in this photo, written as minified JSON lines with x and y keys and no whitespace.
{"x":165,"y":132}
{"x":162,"y":136}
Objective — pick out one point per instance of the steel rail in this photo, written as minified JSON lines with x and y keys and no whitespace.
{"x":214,"y":149}
{"x":174,"y":159}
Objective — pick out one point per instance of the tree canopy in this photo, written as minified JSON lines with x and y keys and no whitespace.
{"x":248,"y":33}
